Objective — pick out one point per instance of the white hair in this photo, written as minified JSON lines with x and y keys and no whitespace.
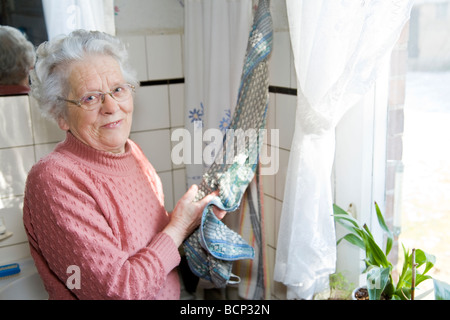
{"x":17,"y":56}
{"x":49,"y":79}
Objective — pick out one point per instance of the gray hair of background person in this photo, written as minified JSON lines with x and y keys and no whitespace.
{"x":49,"y":79}
{"x":17,"y":56}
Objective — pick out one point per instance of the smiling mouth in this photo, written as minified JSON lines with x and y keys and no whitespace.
{"x":113,"y":125}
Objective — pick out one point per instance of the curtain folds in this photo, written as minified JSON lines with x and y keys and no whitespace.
{"x":65,"y":16}
{"x":216,"y":34}
{"x":337,"y":48}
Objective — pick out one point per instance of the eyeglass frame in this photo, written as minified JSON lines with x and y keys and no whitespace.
{"x":103,"y":94}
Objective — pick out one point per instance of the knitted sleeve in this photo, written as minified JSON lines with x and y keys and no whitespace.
{"x":69,"y":230}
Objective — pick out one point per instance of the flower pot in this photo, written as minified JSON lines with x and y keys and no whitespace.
{"x":360,"y":293}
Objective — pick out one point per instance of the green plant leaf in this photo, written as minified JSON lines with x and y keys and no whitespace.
{"x":389,"y":290}
{"x":350,"y":227}
{"x":367,"y":230}
{"x":353,"y":239}
{"x":341,"y":215}
{"x":421,"y":258}
{"x":351,"y":224}
{"x":379,"y":258}
{"x":377,"y":279}
{"x":339,"y":210}
{"x":420,"y":278}
{"x":403,"y":274}
{"x":441,"y":290}
{"x":390,"y":236}
{"x":425,"y":258}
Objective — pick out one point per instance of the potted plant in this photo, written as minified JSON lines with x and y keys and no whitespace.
{"x":380,"y":284}
{"x":339,"y":288}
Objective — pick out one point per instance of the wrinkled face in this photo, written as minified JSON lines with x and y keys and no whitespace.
{"x":106,"y":128}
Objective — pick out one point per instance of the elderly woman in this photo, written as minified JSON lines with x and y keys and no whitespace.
{"x":94,"y":207}
{"x":17,"y":58}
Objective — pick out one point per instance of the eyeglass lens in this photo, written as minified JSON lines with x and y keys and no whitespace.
{"x":92,"y":99}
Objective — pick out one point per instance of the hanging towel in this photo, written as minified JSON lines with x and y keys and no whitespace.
{"x":254,"y":283}
{"x":212,"y":248}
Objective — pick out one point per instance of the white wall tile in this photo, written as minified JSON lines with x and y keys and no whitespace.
{"x":269,"y":220}
{"x":270,"y":254}
{"x":11,"y":211}
{"x":269,"y":157}
{"x":140,"y":16}
{"x":280,"y":60}
{"x":293,"y":72}
{"x":182,"y":53}
{"x":11,"y":254}
{"x":285,"y":118}
{"x":278,"y":211}
{"x":42,"y":150}
{"x":164,"y":57}
{"x":156,"y":146}
{"x":151,"y":108}
{"x":280,"y":177}
{"x":270,"y":119}
{"x":137,"y":55}
{"x":44,"y":130}
{"x":177,"y":109}
{"x":179,"y":184}
{"x":15,"y":165}
{"x":176,"y":144}
{"x":15,"y":122}
{"x":269,"y":184}
{"x":166,"y":180}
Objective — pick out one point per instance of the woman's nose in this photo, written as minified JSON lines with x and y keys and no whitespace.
{"x":109,"y":104}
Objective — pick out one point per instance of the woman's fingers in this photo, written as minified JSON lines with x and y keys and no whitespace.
{"x":191,"y":193}
{"x":220,"y":214}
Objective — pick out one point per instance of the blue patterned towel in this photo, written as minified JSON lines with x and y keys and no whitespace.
{"x":212,"y":248}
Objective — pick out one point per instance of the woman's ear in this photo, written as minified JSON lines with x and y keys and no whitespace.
{"x":62,"y":123}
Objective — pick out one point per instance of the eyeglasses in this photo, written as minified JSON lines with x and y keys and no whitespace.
{"x":92,"y":100}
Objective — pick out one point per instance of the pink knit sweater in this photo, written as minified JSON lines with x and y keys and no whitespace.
{"x":102,"y":213}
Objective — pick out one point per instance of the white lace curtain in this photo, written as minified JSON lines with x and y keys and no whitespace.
{"x":64,"y":16}
{"x":337,"y":47}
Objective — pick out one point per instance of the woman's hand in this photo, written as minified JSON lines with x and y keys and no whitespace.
{"x":187,"y":215}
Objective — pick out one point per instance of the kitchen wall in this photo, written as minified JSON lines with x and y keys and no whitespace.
{"x":24,"y":138}
{"x":153,"y":32}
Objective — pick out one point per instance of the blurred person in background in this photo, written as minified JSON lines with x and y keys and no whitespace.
{"x":17,"y":58}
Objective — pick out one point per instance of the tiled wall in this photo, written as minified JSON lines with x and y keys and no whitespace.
{"x":24,"y":138}
{"x":159,"y":105}
{"x":159,"y":109}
